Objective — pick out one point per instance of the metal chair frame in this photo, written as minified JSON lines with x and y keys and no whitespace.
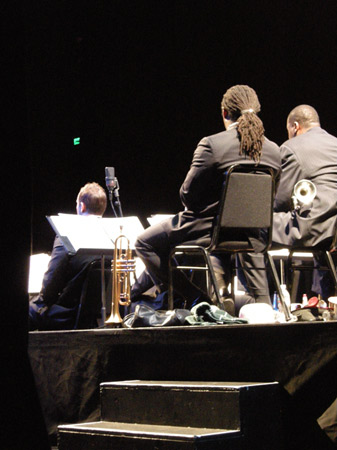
{"x":327,"y":247}
{"x":228,"y":222}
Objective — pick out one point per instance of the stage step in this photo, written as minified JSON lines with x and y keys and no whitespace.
{"x":137,"y":415}
{"x":132,"y":436}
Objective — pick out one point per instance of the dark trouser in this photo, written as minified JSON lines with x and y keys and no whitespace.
{"x":253,"y":279}
{"x":153,"y":246}
{"x":321,"y":280}
{"x":256,"y":282}
{"x":143,"y":285}
{"x":55,"y":317}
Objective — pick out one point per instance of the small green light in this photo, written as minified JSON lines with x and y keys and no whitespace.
{"x":77,"y":141}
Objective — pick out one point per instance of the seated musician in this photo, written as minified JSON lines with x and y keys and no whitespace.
{"x":56,"y":306}
{"x":310,"y":153}
{"x":243,"y":141}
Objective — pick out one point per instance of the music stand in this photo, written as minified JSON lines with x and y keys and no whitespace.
{"x":94,"y":235}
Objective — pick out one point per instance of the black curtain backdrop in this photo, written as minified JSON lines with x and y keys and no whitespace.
{"x":22,"y":424}
{"x":141,"y":83}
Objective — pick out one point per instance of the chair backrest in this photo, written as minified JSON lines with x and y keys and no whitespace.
{"x":89,"y":310}
{"x":245,"y":209}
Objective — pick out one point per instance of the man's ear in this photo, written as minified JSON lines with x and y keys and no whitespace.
{"x":83,"y":208}
{"x":224,"y":113}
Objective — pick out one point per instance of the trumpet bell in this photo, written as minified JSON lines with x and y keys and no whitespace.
{"x":304,"y":192}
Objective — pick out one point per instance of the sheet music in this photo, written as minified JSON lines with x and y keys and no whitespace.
{"x":131,"y":228}
{"x":157,"y":218}
{"x":93,"y":232}
{"x":38,"y":264}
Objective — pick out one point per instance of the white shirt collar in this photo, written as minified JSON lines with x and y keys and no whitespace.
{"x":232,"y":125}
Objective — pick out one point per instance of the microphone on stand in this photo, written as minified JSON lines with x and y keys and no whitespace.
{"x":113,"y":188}
{"x":110,"y":178}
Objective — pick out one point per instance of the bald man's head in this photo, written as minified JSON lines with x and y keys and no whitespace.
{"x":301,"y":119}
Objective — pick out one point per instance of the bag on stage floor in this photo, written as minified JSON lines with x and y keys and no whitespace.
{"x":144,"y":316}
{"x":206,"y":314}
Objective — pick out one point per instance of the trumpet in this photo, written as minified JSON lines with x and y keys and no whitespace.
{"x":122,"y":266}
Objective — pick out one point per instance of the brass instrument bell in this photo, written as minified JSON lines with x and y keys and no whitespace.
{"x":303,"y":193}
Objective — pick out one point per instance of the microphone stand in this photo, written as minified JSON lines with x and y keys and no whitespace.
{"x":117,"y":201}
{"x":111,"y":203}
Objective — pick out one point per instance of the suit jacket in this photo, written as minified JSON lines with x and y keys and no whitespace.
{"x":313,"y":156}
{"x":56,"y":306}
{"x":63,"y":280}
{"x":201,"y":189}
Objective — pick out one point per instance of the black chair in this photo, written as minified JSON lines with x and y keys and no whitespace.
{"x":245,"y":208}
{"x":300,"y":259}
{"x":95,"y":301}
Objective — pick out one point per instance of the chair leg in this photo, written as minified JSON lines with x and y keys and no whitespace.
{"x":210,"y":274}
{"x":332,"y":269}
{"x":292,"y":277}
{"x":103,"y":294}
{"x":170,"y":286}
{"x":174,"y":266}
{"x":278,"y":287}
{"x":233,"y":273}
{"x":212,"y":277}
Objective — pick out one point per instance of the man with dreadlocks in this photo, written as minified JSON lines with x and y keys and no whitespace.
{"x":242,"y":142}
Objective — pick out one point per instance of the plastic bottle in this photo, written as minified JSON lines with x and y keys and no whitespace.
{"x":275,"y":302}
{"x":304,"y":300}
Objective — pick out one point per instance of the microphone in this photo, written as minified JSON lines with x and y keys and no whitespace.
{"x":113,"y":188}
{"x":110,"y":179}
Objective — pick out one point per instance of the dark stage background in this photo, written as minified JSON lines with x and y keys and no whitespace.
{"x":140,"y":82}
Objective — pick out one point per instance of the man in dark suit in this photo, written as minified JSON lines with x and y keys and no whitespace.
{"x":242,"y":142}
{"x":56,"y":306}
{"x":310,"y":153}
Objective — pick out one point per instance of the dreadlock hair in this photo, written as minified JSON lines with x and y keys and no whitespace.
{"x":242,"y":105}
